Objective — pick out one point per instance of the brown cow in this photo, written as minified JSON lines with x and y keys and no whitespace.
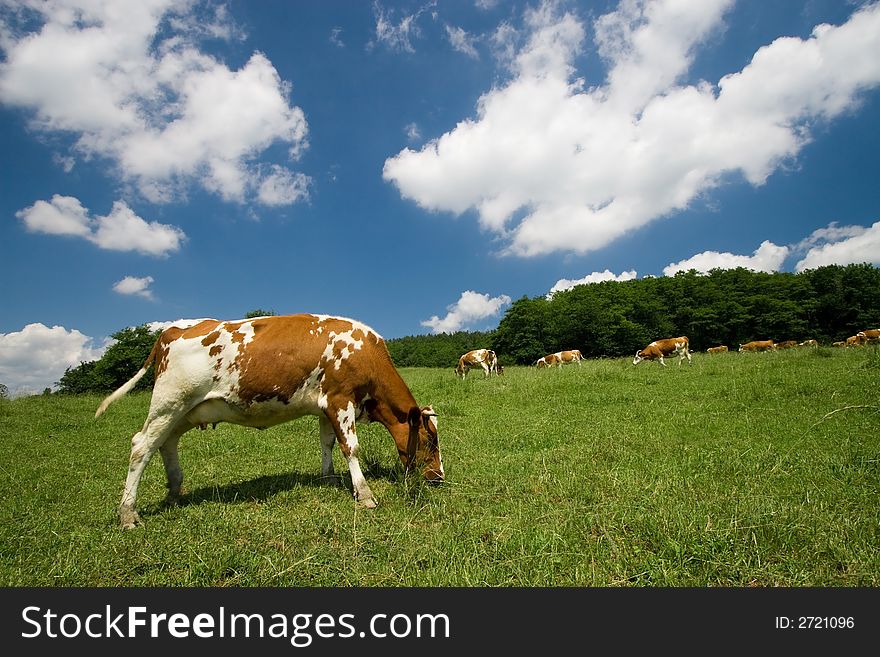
{"x":839,"y":343}
{"x":484,"y":358}
{"x":717,"y":350}
{"x":758,"y":345}
{"x":787,"y":344}
{"x":660,"y":348}
{"x":870,"y":335}
{"x":560,"y":358}
{"x":267,"y":370}
{"x":856,"y":340}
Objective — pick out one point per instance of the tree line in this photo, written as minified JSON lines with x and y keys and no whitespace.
{"x":725,"y":306}
{"x":607,"y":319}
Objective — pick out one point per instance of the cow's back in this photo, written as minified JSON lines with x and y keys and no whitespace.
{"x":287,"y":359}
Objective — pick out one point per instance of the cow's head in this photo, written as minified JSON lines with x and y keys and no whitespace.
{"x":423,"y":450}
{"x":638,"y":358}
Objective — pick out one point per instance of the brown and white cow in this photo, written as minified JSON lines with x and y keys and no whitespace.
{"x":264,"y":371}
{"x":720,"y":349}
{"x":809,"y":343}
{"x":839,"y":343}
{"x":560,"y":358}
{"x":665,"y":347}
{"x":786,"y":344}
{"x":855,"y":340}
{"x":870,"y":335}
{"x":758,"y":345}
{"x":484,"y":358}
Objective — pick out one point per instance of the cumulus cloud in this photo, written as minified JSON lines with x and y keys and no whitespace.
{"x":767,"y":257}
{"x":179,"y":323}
{"x":551,"y":164}
{"x":120,"y":230}
{"x":595,"y":277}
{"x":129,"y":83}
{"x":470,"y":308}
{"x":36,"y":357}
{"x":132,"y":285}
{"x":841,"y":245}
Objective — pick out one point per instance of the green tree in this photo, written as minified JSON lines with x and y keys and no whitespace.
{"x":119,"y":363}
{"x":259,"y":312}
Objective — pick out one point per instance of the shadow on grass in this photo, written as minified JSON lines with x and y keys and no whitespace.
{"x":265,"y":487}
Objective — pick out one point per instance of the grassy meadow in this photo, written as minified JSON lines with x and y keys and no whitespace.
{"x":740,"y":470}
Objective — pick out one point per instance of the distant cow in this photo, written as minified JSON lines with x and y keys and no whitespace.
{"x":758,"y":345}
{"x":786,"y":344}
{"x":856,"y":340}
{"x":839,"y":343}
{"x":870,"y":335}
{"x":267,"y":370}
{"x":484,"y":358}
{"x":661,"y":348}
{"x":717,"y":350}
{"x":809,"y":343}
{"x":560,"y":358}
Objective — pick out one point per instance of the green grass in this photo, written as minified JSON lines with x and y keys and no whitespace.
{"x":741,"y":470}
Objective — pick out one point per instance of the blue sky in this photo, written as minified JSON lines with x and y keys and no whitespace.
{"x":414,"y":165}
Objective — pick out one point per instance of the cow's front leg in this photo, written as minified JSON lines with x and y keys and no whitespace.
{"x":342,"y":419}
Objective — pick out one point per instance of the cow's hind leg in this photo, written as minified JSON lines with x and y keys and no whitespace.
{"x":173,"y":472}
{"x":143,"y":445}
{"x":342,"y":420}
{"x":328,"y":440}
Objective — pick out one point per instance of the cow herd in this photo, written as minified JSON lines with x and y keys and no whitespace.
{"x":860,"y":339}
{"x":657,"y":350}
{"x":263,"y":371}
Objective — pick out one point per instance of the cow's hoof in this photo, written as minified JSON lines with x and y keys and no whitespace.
{"x":171,"y":500}
{"x":129,"y":519}
{"x":368,"y":503}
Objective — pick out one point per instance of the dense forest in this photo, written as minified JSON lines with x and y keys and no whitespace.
{"x":612,"y":318}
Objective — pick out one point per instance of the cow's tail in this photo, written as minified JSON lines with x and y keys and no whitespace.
{"x":131,"y":383}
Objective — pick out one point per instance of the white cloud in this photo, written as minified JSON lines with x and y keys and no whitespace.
{"x":128,"y":81}
{"x":336,"y":37}
{"x":767,"y":257}
{"x":595,"y":277}
{"x":397,"y":36}
{"x":461,"y":41}
{"x":412,"y":132}
{"x":283,"y":187}
{"x":132,"y":285}
{"x":35,"y":357}
{"x":120,"y":230}
{"x":551,"y":164}
{"x":471,"y":307}
{"x":179,"y":323}
{"x":853,"y":245}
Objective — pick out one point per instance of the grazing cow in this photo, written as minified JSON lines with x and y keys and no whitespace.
{"x":758,"y":345}
{"x":870,"y":335}
{"x":717,"y":350}
{"x":855,"y":340}
{"x":839,"y":343}
{"x":786,"y":344}
{"x":264,"y":371}
{"x":560,"y":358}
{"x":484,"y":358}
{"x":660,"y":348}
{"x":809,"y":343}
